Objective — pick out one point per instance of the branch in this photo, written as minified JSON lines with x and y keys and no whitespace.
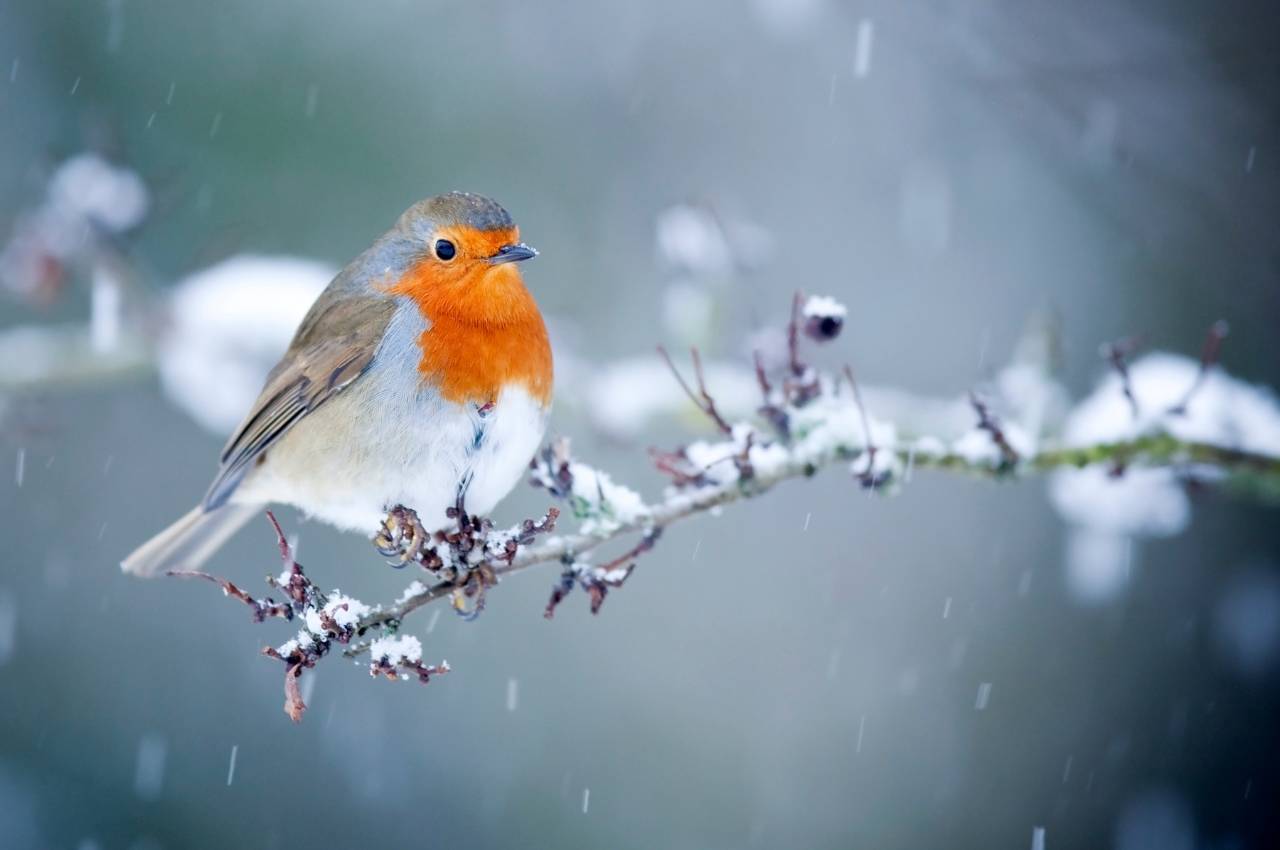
{"x":811,"y":425}
{"x":1153,"y":451}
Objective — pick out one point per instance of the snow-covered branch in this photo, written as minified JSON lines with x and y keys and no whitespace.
{"x":1119,"y":463}
{"x":1151,"y":429}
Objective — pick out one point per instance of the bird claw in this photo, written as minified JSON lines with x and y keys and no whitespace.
{"x":401,"y":537}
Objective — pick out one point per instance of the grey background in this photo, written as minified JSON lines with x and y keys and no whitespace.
{"x":1000,"y":158}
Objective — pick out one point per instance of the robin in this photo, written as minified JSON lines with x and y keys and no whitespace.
{"x":420,"y":377}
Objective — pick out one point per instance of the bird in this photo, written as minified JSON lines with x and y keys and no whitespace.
{"x":421,"y":377}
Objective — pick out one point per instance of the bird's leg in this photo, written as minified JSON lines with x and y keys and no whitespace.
{"x":458,"y":513}
{"x":460,"y":510}
{"x":401,"y":536}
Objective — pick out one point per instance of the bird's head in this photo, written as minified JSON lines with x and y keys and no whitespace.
{"x":466,"y":258}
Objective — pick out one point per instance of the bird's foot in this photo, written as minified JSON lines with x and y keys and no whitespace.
{"x":472,"y":531}
{"x":402,"y":536}
{"x":467,"y":599}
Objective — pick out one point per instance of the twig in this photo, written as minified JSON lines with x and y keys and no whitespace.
{"x":701,"y":398}
{"x":761,"y":378}
{"x":793,"y":335}
{"x":262,"y":609}
{"x":773,"y":413}
{"x":987,"y":422}
{"x":1209,"y":356}
{"x":597,"y":581}
{"x":1117,"y":354}
{"x":867,"y":476}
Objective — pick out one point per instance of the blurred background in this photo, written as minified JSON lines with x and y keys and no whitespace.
{"x":818,"y":668}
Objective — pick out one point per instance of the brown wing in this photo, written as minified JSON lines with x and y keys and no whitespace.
{"x":333,"y":347}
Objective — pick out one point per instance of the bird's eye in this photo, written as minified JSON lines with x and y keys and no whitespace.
{"x":445,"y":249}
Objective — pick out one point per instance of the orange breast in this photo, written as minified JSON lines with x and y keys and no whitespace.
{"x":484,"y":333}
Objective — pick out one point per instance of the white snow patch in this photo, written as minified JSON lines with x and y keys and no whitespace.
{"x":303,"y":640}
{"x":415,"y":587}
{"x":312,"y":618}
{"x":769,"y":460}
{"x":345,"y":610}
{"x":823,"y":307}
{"x":831,"y":423}
{"x":401,"y":648}
{"x":607,"y":505}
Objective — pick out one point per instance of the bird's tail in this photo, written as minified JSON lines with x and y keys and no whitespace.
{"x":190,"y":541}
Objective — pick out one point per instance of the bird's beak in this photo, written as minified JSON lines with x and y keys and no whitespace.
{"x":513,"y":254}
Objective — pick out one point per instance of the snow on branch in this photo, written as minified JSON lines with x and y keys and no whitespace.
{"x":1126,"y":453}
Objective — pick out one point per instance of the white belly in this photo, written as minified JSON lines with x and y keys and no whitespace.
{"x":385,"y":441}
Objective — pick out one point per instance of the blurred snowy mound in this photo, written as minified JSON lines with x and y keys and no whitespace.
{"x":229,"y":324}
{"x":1171,"y":395}
{"x":87,"y":199}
